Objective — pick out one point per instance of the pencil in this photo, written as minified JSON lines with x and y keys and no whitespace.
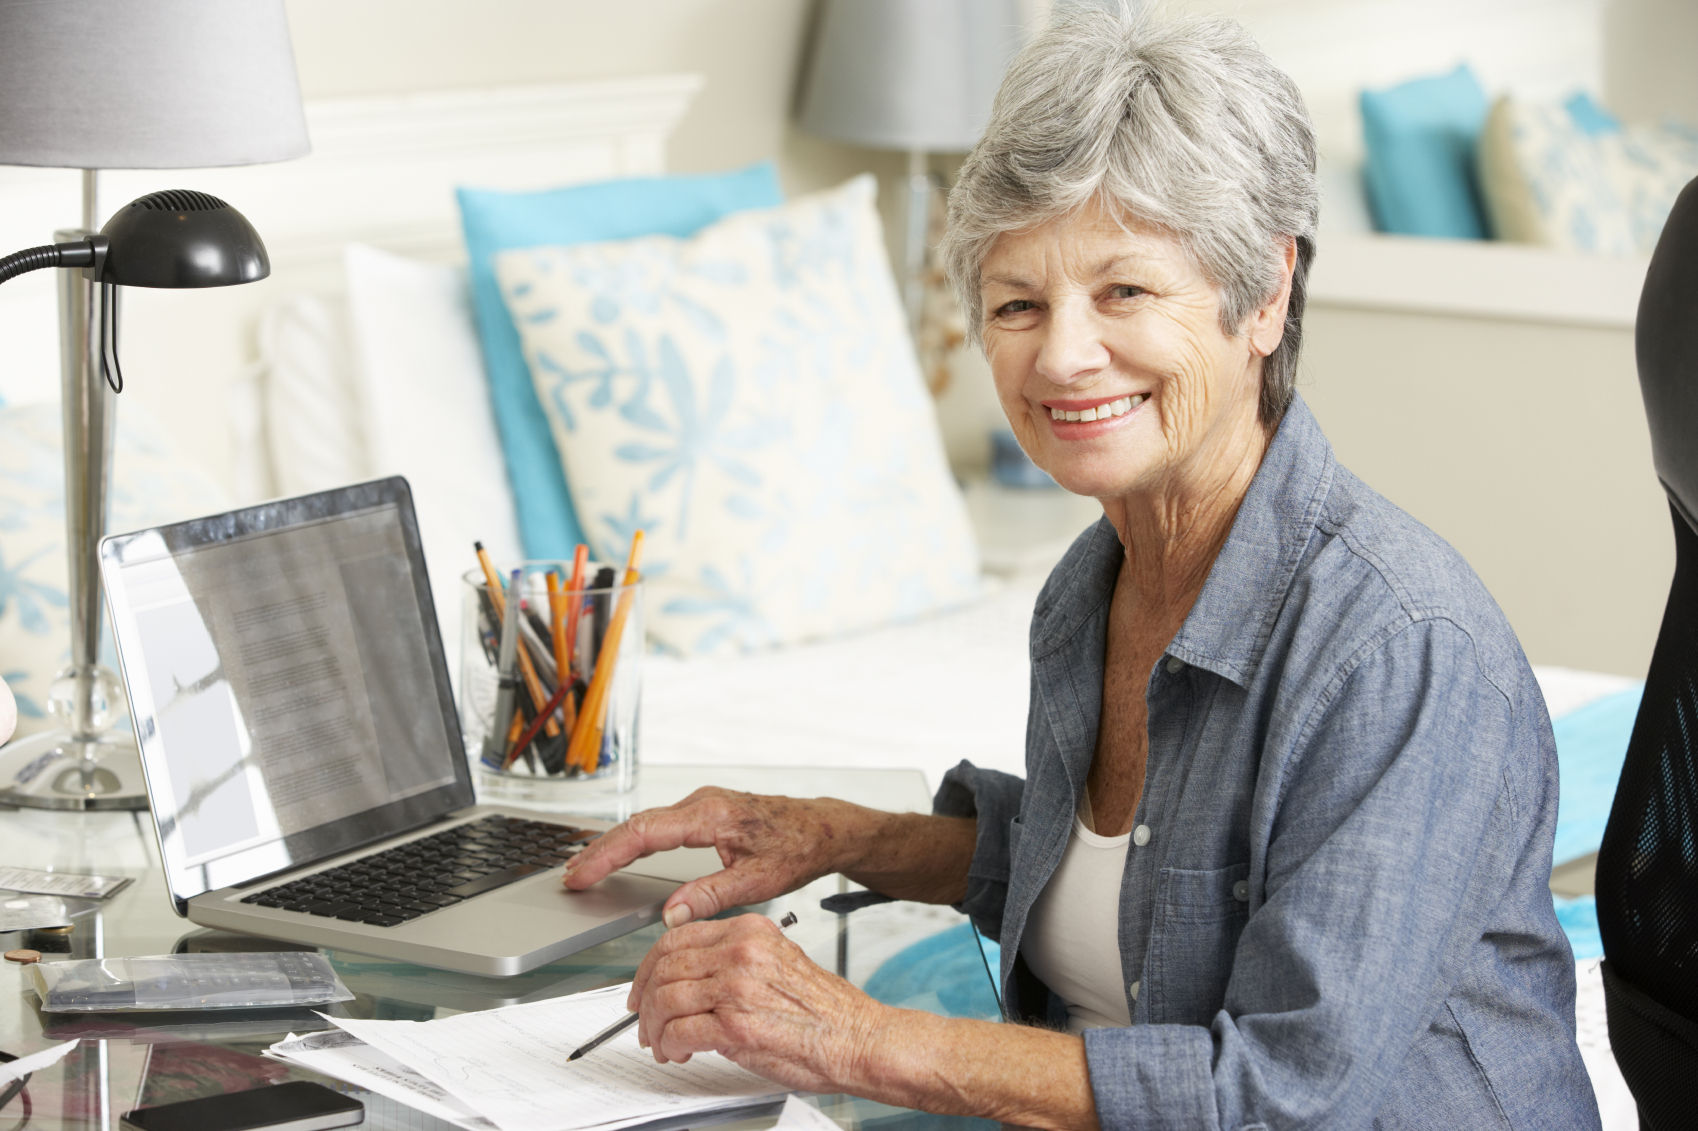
{"x":527,"y":667}
{"x":557,"y":629}
{"x":630,"y":1019}
{"x":584,"y":750}
{"x":574,"y":597}
{"x":498,"y":598}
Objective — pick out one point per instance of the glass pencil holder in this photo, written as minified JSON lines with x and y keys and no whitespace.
{"x":527,"y":739}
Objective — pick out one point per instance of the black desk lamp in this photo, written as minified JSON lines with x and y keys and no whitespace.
{"x":169,"y":239}
{"x":127,"y":84}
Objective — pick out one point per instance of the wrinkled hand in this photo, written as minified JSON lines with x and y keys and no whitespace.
{"x":740,"y":988}
{"x":769,"y":845}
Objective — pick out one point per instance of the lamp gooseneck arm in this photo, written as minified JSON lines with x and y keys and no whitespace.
{"x":77,"y":253}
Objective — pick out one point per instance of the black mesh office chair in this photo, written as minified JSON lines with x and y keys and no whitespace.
{"x":1647,"y":880}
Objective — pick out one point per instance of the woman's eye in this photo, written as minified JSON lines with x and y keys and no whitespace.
{"x":1018,"y":306}
{"x":1125,"y":290}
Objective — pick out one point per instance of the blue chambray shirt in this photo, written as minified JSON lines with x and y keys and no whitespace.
{"x":1341,"y":918}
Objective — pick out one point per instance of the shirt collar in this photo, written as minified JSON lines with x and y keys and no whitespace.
{"x":1228,"y":628}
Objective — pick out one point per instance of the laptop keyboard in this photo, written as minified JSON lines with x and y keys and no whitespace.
{"x":400,"y":884}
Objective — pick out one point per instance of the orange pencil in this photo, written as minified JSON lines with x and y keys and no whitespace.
{"x":557,"y":628}
{"x":584,"y":748}
{"x":574,"y":597}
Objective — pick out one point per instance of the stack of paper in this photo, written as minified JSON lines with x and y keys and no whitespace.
{"x":506,"y":1069}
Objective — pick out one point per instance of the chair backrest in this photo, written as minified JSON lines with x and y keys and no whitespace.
{"x":1647,"y":879}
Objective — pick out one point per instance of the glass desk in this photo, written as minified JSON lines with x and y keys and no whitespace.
{"x":129,"y":1060}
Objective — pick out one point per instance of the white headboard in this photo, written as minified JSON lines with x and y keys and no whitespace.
{"x":383,"y":171}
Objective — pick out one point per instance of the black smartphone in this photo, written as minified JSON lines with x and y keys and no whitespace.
{"x":299,"y":1105}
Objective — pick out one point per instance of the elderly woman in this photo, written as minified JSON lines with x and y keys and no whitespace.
{"x":1281,"y":854}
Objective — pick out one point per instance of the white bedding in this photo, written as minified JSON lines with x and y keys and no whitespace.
{"x":922,"y":695}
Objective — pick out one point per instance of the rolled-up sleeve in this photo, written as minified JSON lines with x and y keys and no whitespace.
{"x":993,"y":798}
{"x":1406,"y":796}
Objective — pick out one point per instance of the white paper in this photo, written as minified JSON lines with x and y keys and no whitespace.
{"x":34,"y":1062}
{"x":60,"y":883}
{"x":800,"y":1115}
{"x":350,"y":1059}
{"x":510,"y":1065}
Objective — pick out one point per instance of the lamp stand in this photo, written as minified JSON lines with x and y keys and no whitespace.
{"x":84,"y":763}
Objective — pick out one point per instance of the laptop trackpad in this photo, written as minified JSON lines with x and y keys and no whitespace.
{"x":616,"y":896}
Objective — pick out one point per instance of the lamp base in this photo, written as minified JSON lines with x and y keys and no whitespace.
{"x":56,"y":770}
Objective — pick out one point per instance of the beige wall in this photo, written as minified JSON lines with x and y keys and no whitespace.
{"x":1524,"y":445}
{"x":749,"y":51}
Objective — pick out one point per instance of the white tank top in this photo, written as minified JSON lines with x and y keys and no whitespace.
{"x":1072,"y":938}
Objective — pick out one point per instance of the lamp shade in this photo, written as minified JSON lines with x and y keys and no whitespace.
{"x":147,"y":84}
{"x":908,"y":74}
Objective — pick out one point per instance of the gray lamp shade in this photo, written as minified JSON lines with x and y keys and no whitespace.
{"x":147,"y":84}
{"x":908,"y":74}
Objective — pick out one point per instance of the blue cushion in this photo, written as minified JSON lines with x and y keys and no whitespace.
{"x":1591,"y":117}
{"x":1579,"y":919}
{"x":610,"y":210}
{"x":944,"y":974}
{"x":1591,"y":746}
{"x":1420,"y":169}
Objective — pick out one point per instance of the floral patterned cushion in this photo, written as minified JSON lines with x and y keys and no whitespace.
{"x":1568,"y":176}
{"x":749,"y":397}
{"x":150,"y":485}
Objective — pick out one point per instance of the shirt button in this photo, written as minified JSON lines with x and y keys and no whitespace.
{"x":1241,"y":891}
{"x":1175,"y":665}
{"x":1141,"y":835}
{"x":1135,"y":987}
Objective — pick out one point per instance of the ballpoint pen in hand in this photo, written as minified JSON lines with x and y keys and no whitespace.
{"x":630,"y":1019}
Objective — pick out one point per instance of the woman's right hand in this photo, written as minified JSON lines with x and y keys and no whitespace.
{"x":769,"y":845}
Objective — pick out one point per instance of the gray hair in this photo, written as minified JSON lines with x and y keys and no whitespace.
{"x":1182,"y":124}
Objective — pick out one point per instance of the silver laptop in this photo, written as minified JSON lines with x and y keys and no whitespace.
{"x":304,"y":759}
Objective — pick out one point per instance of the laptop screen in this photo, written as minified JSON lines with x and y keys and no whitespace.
{"x":287,"y":682}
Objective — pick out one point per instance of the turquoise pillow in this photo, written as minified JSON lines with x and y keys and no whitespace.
{"x":1420,"y":138}
{"x":1591,"y":748}
{"x":610,"y":210}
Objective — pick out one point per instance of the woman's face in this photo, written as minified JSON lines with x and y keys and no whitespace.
{"x":1109,"y":360}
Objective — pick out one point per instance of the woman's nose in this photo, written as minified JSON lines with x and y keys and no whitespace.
{"x":1073,"y":349}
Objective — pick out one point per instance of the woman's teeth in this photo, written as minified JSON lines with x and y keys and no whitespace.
{"x":1102,"y":412}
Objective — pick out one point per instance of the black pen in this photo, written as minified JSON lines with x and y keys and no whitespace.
{"x":630,"y":1019}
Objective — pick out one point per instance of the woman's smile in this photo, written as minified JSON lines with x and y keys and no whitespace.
{"x":1084,"y":419}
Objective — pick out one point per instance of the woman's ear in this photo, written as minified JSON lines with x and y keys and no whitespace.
{"x":1266,"y":328}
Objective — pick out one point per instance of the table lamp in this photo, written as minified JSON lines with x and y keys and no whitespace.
{"x":127,"y":84}
{"x":915,"y":75}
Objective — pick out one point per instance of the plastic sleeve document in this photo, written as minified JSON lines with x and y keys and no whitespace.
{"x":509,"y":1065}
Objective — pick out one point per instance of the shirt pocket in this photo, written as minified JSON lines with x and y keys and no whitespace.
{"x":1194,"y":931}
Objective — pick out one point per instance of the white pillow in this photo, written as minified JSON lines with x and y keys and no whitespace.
{"x":151,"y":484}
{"x":1548,"y":180}
{"x":425,"y":414}
{"x":750,"y":398}
{"x":313,"y":423}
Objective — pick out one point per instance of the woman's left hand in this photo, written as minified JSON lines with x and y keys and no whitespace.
{"x":740,"y":988}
